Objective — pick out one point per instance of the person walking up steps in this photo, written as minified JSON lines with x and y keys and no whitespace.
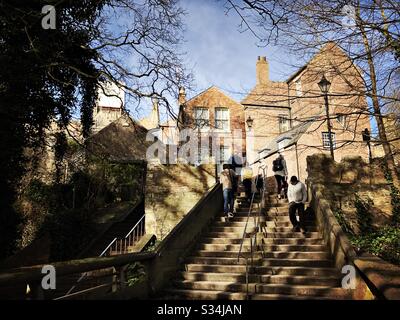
{"x":228,"y":177}
{"x":280,"y":172}
{"x":297,"y":197}
{"x":247,"y":177}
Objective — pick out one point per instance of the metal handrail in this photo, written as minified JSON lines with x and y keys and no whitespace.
{"x":108,"y":247}
{"x":137,"y":231}
{"x":108,"y":250}
{"x":256,"y":227}
{"x":134,"y":227}
{"x":256,"y":220}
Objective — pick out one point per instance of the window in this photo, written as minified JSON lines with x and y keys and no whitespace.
{"x":223,"y":154}
{"x":201,"y":118}
{"x":284,"y":123}
{"x":341,"y":118}
{"x":325,"y":140}
{"x":222,"y":119}
{"x":201,"y":154}
{"x":299,"y":92}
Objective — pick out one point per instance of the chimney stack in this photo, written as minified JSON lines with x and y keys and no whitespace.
{"x":155,"y":114}
{"x":262,"y":71}
{"x":182,"y":96}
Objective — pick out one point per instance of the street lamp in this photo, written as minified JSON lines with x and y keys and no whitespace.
{"x":324,"y":86}
{"x":249,"y":122}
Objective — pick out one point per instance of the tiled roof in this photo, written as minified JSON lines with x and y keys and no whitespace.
{"x":122,"y":140}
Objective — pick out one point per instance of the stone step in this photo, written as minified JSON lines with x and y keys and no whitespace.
{"x":244,"y":213}
{"x":238,"y":228}
{"x":268,"y":235}
{"x":263,"y":270}
{"x":273,"y":223}
{"x":259,"y":261}
{"x":294,"y":297}
{"x":275,"y":279}
{"x":276,"y":255}
{"x":244,"y":217}
{"x":289,"y":241}
{"x":221,"y":295}
{"x":299,"y":290}
{"x":204,"y":295}
{"x":286,"y":218}
{"x":267,"y":248}
{"x":281,"y":204}
{"x":304,"y":290}
{"x":281,"y":209}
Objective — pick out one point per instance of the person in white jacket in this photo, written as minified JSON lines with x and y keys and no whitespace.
{"x":297,"y":197}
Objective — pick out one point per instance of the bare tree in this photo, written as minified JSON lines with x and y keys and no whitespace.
{"x":367,"y":31}
{"x":139,"y":48}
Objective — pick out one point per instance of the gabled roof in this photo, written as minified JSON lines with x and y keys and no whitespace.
{"x":215,"y":88}
{"x":122,"y":140}
{"x":330,"y":46}
{"x":288,"y":139}
{"x":275,"y":94}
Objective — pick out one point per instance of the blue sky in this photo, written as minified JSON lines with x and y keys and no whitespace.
{"x":220,"y":55}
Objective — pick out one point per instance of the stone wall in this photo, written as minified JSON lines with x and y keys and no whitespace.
{"x":343,"y":181}
{"x":171,"y":192}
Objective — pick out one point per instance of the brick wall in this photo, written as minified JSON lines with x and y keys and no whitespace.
{"x":211,"y":99}
{"x":265,"y":126}
{"x":345,"y":98}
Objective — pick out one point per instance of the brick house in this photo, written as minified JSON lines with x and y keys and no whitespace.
{"x":288,"y":116}
{"x":219,"y":123}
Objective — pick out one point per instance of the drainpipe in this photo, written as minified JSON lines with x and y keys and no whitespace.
{"x":290,"y":108}
{"x":297,"y":163}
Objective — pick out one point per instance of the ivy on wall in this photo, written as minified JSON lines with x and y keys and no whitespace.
{"x":394,"y":194}
{"x":383,"y":242}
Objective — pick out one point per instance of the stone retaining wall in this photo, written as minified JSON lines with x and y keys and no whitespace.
{"x":171,"y":192}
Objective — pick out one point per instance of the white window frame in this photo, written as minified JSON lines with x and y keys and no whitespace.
{"x":344,"y":117}
{"x":281,"y":118}
{"x":225,"y":120}
{"x":223,"y":155}
{"x":205,"y":120}
{"x":325,"y":140}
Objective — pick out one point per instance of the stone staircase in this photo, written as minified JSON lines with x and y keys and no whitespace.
{"x":286,"y":264}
